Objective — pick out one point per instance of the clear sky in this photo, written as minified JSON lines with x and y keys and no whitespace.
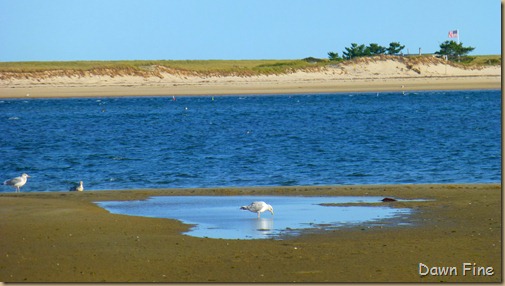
{"x":42,"y":30}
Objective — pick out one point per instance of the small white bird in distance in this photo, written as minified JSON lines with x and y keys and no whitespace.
{"x":17,"y":182}
{"x":258,"y":207}
{"x":77,"y":188}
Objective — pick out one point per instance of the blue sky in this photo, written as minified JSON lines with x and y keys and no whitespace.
{"x":43,"y":30}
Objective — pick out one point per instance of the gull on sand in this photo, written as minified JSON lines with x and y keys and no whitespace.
{"x":17,"y":182}
{"x":258,"y":207}
{"x":77,"y":188}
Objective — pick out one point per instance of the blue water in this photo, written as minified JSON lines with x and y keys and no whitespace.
{"x":331,"y":139}
{"x":220,"y":216}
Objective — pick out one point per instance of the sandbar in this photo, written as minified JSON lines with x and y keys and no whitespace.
{"x":253,"y":88}
{"x":66,"y":237}
{"x":365,"y":75}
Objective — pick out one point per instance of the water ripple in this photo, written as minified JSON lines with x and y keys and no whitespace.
{"x":430,"y":137}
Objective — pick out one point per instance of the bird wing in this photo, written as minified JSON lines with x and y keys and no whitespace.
{"x":13,"y":181}
{"x":256,"y":206}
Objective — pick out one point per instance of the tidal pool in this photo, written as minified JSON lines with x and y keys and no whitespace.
{"x":221,"y":217}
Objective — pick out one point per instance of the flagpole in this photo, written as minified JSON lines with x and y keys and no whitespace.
{"x":459,"y":56}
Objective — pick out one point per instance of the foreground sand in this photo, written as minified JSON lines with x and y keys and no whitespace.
{"x":65,"y":237}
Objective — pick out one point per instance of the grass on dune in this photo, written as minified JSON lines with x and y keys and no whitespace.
{"x":199,"y":67}
{"x":485,"y":60}
{"x":226,"y":67}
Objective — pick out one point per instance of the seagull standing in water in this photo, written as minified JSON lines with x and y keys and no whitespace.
{"x":77,"y":188}
{"x":17,"y":182}
{"x":258,"y":207}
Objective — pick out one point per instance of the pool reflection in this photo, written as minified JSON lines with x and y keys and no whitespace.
{"x":220,"y":216}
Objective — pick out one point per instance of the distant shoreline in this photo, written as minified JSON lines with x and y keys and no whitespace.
{"x":375,"y":74}
{"x":252,"y":87}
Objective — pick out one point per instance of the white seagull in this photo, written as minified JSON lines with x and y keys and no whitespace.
{"x":258,"y":207}
{"x":17,"y":182}
{"x":77,"y":188}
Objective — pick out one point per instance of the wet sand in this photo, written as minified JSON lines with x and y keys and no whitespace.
{"x":65,"y":237}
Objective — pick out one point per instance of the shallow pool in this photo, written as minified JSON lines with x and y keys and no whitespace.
{"x":221,"y":217}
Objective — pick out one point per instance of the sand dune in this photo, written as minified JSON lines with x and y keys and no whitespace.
{"x":364,"y":74}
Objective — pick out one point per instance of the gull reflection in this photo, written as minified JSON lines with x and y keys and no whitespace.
{"x":264,"y":225}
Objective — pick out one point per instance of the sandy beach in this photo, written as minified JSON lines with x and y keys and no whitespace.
{"x":366,"y":75}
{"x":65,"y":237}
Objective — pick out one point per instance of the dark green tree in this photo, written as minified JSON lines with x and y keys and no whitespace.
{"x":375,"y":49}
{"x":372,"y":49}
{"x":334,"y":56}
{"x":453,"y":50}
{"x":355,"y":51}
{"x":394,"y":48}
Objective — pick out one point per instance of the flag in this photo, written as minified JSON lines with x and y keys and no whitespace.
{"x":453,"y":34}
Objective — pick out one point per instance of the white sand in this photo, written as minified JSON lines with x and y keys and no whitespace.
{"x":367,"y":74}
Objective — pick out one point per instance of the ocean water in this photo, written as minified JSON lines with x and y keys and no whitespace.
{"x":220,"y":216}
{"x":282,"y":140}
